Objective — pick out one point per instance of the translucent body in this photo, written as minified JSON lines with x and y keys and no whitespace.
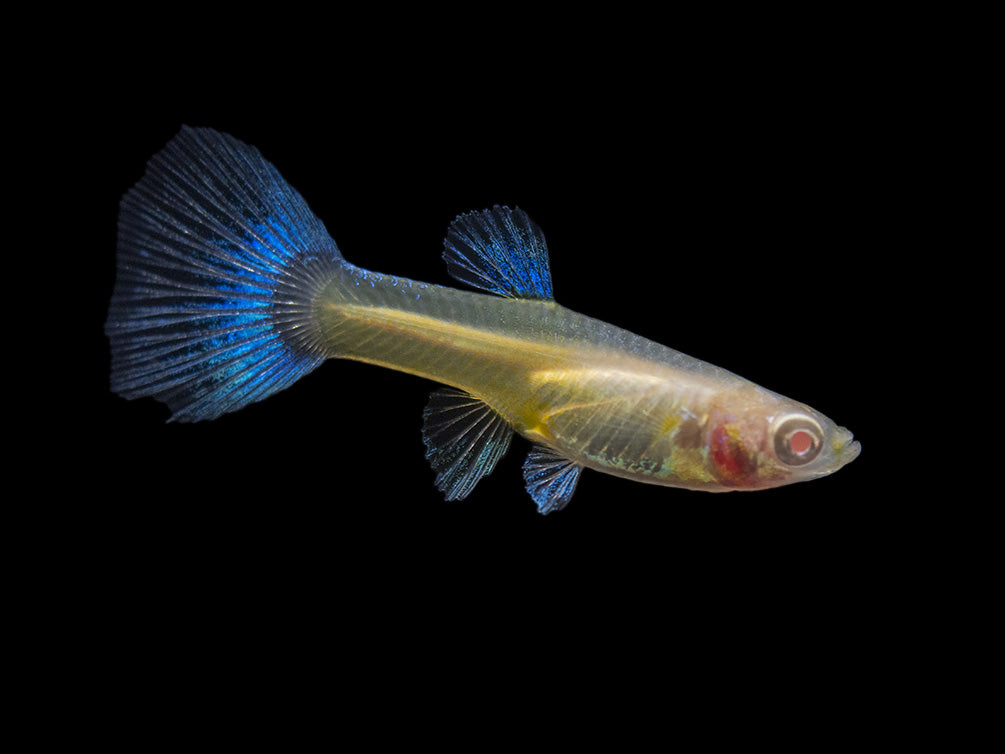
{"x":228,"y":289}
{"x":597,"y":394}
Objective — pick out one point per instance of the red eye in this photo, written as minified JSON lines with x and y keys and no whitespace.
{"x":798,"y":440}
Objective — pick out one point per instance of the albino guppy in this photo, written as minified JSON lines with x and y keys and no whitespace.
{"x":228,"y":290}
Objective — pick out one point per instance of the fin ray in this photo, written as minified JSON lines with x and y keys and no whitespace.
{"x":218,"y":262}
{"x":551,"y":479}
{"x":501,"y":251}
{"x":464,"y":438}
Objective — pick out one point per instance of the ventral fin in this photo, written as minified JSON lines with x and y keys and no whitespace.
{"x":465,"y":438}
{"x":501,"y":251}
{"x":551,"y":479}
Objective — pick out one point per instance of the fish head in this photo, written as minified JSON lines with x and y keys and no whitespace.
{"x":804,"y":444}
{"x":770,"y":441}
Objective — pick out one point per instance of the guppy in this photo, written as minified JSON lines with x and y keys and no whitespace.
{"x":228,"y":289}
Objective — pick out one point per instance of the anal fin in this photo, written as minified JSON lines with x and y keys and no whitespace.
{"x":464,"y":438}
{"x":551,"y":479}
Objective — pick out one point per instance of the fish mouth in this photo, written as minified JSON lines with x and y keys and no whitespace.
{"x":846,"y":448}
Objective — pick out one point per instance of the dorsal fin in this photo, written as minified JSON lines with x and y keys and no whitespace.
{"x":501,"y":251}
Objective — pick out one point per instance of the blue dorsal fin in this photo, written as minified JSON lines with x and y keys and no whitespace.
{"x":499,"y":250}
{"x":551,"y":479}
{"x":464,"y":437}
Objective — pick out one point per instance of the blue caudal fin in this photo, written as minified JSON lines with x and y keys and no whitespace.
{"x":218,"y":262}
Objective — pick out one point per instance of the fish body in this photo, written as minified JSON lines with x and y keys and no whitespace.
{"x":229,"y":289}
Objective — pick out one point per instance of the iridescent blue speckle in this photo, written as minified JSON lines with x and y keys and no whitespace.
{"x":501,"y":251}
{"x":207,"y":239}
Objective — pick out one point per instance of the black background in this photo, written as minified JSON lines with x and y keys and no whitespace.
{"x":726,"y":233}
{"x":725,"y":227}
{"x":728,"y":198}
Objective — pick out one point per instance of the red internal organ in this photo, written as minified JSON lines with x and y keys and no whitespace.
{"x":734,"y":464}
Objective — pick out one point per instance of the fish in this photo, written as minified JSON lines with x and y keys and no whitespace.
{"x":228,"y":289}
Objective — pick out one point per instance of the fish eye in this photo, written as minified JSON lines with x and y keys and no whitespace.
{"x":798,"y":440}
